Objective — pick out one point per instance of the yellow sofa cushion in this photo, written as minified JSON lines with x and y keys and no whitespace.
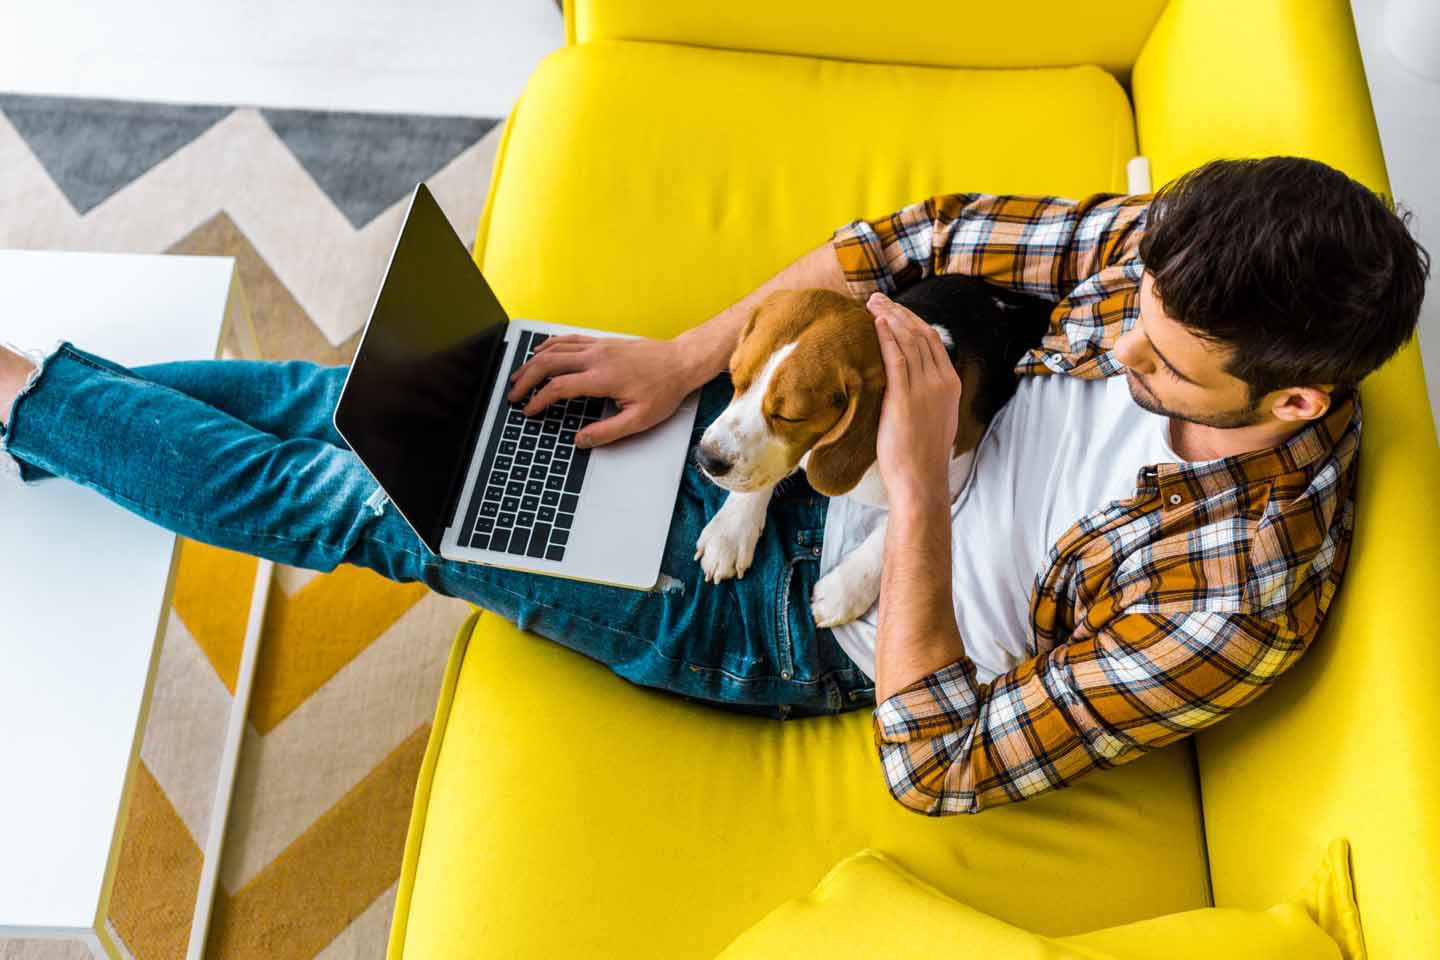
{"x":868,"y":906}
{"x":562,"y":811}
{"x":644,"y":187}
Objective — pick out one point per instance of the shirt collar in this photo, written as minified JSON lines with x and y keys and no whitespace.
{"x":1336,"y":434}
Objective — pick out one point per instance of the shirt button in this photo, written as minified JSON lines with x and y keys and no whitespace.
{"x":784,"y":674}
{"x":1174,"y":498}
{"x":815,"y":551}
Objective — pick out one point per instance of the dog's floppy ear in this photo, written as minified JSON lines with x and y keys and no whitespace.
{"x":840,"y":458}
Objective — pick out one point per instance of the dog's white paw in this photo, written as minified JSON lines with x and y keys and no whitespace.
{"x":727,"y":544}
{"x":845,"y":592}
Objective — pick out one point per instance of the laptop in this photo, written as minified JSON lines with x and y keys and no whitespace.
{"x":423,"y":407}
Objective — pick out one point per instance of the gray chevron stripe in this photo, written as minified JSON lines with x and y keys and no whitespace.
{"x":366,"y":161}
{"x":92,"y":148}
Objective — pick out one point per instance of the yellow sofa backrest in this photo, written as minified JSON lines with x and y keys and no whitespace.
{"x":946,"y":33}
{"x":1344,"y":744}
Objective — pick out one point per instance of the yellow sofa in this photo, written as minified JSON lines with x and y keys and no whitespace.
{"x":666,"y":161}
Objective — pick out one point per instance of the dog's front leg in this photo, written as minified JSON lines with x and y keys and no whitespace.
{"x":727,"y":544}
{"x":854,"y":585}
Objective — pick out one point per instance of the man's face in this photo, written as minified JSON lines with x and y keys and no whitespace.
{"x":1194,"y":389}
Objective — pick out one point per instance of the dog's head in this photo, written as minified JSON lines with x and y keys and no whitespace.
{"x":808,"y":377}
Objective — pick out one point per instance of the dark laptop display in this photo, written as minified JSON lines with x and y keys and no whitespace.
{"x":416,"y":391}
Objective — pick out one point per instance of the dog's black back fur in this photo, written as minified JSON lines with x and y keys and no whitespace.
{"x":990,"y":323}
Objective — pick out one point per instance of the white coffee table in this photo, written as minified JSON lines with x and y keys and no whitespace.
{"x":85,"y":588}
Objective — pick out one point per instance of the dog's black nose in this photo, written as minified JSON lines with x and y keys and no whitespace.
{"x":713,"y":465}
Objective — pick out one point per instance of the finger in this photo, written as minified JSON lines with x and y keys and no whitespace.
{"x":629,"y":420}
{"x":564,"y":339}
{"x":541,"y":367}
{"x":906,"y":327}
{"x":563,"y":388}
{"x":895,"y":369}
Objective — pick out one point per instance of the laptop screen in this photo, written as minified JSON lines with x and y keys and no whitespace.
{"x":426,"y":363}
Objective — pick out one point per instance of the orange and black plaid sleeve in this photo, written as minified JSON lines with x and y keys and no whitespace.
{"x":949,"y":745}
{"x":1041,"y":245}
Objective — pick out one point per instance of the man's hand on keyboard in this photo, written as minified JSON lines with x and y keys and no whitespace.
{"x":640,"y":375}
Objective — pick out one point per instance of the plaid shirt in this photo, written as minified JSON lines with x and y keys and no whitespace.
{"x":1153,"y":617}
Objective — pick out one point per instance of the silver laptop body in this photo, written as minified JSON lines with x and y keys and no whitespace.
{"x":424,"y":409}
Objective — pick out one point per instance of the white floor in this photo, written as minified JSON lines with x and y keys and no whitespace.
{"x":472,"y":57}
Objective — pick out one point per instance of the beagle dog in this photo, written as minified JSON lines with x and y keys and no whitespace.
{"x":809,"y":379}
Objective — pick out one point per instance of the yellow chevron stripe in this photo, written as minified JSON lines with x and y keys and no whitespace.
{"x":157,"y":876}
{"x":329,"y":875}
{"x":212,"y":596}
{"x":309,"y":637}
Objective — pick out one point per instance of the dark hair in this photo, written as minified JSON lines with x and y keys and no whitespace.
{"x":1307,"y":275}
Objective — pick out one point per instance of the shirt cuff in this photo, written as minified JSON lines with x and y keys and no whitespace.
{"x":862,"y":259}
{"x":941,"y":701}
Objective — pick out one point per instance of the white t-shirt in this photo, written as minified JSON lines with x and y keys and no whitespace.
{"x":1061,"y":449}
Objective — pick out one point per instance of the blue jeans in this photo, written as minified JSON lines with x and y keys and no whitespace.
{"x":242,"y":454}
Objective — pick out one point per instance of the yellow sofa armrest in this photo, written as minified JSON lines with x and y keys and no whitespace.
{"x":927,"y":32}
{"x":1236,"y":78}
{"x":1344,"y":744}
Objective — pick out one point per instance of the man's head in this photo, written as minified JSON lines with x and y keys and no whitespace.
{"x":1271,"y":287}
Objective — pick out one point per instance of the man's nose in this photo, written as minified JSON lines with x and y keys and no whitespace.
{"x":714,"y":465}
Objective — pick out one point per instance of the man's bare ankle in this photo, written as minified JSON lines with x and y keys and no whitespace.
{"x":15,"y":369}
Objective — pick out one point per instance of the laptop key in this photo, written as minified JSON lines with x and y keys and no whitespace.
{"x":514,"y":488}
{"x":542,"y":456}
{"x":559,"y":536}
{"x":494,"y":492}
{"x":484,"y":525}
{"x":529,"y":503}
{"x":511,"y":433}
{"x":505,"y":520}
{"x":524,"y":518}
{"x":547,"y":442}
{"x":523,"y":458}
{"x":594,"y":406}
{"x":499,"y":540}
{"x":538,"y":537}
{"x":527,"y":443}
{"x":567,"y":437}
{"x":510,"y":504}
{"x":555,"y":553}
{"x":519,"y":474}
{"x":563,"y":520}
{"x":571,"y":422}
{"x":503,"y":463}
{"x":532,"y":427}
{"x":545,"y":514}
{"x":550,"y":498}
{"x":552,"y":425}
{"x":519,"y":540}
{"x":489,"y":509}
{"x":480,"y":541}
{"x":568,"y":502}
{"x":555,"y":482}
{"x":533,"y":487}
{"x":577,"y":471}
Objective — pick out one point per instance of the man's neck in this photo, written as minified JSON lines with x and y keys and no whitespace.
{"x":1195,"y":442}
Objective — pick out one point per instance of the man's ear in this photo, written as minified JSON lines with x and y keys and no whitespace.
{"x":840,"y":458}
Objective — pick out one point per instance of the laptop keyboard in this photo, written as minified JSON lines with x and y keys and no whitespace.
{"x":530,"y":478}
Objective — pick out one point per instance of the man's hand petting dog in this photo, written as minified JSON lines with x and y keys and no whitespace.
{"x":920,"y":412}
{"x":638,"y":374}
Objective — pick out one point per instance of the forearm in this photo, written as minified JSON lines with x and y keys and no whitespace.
{"x":707,"y":347}
{"x":917,"y":633}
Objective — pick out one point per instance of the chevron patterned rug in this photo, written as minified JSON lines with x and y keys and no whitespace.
{"x":309,"y":204}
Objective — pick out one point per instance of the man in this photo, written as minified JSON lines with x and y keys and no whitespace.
{"x":1167,"y":575}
